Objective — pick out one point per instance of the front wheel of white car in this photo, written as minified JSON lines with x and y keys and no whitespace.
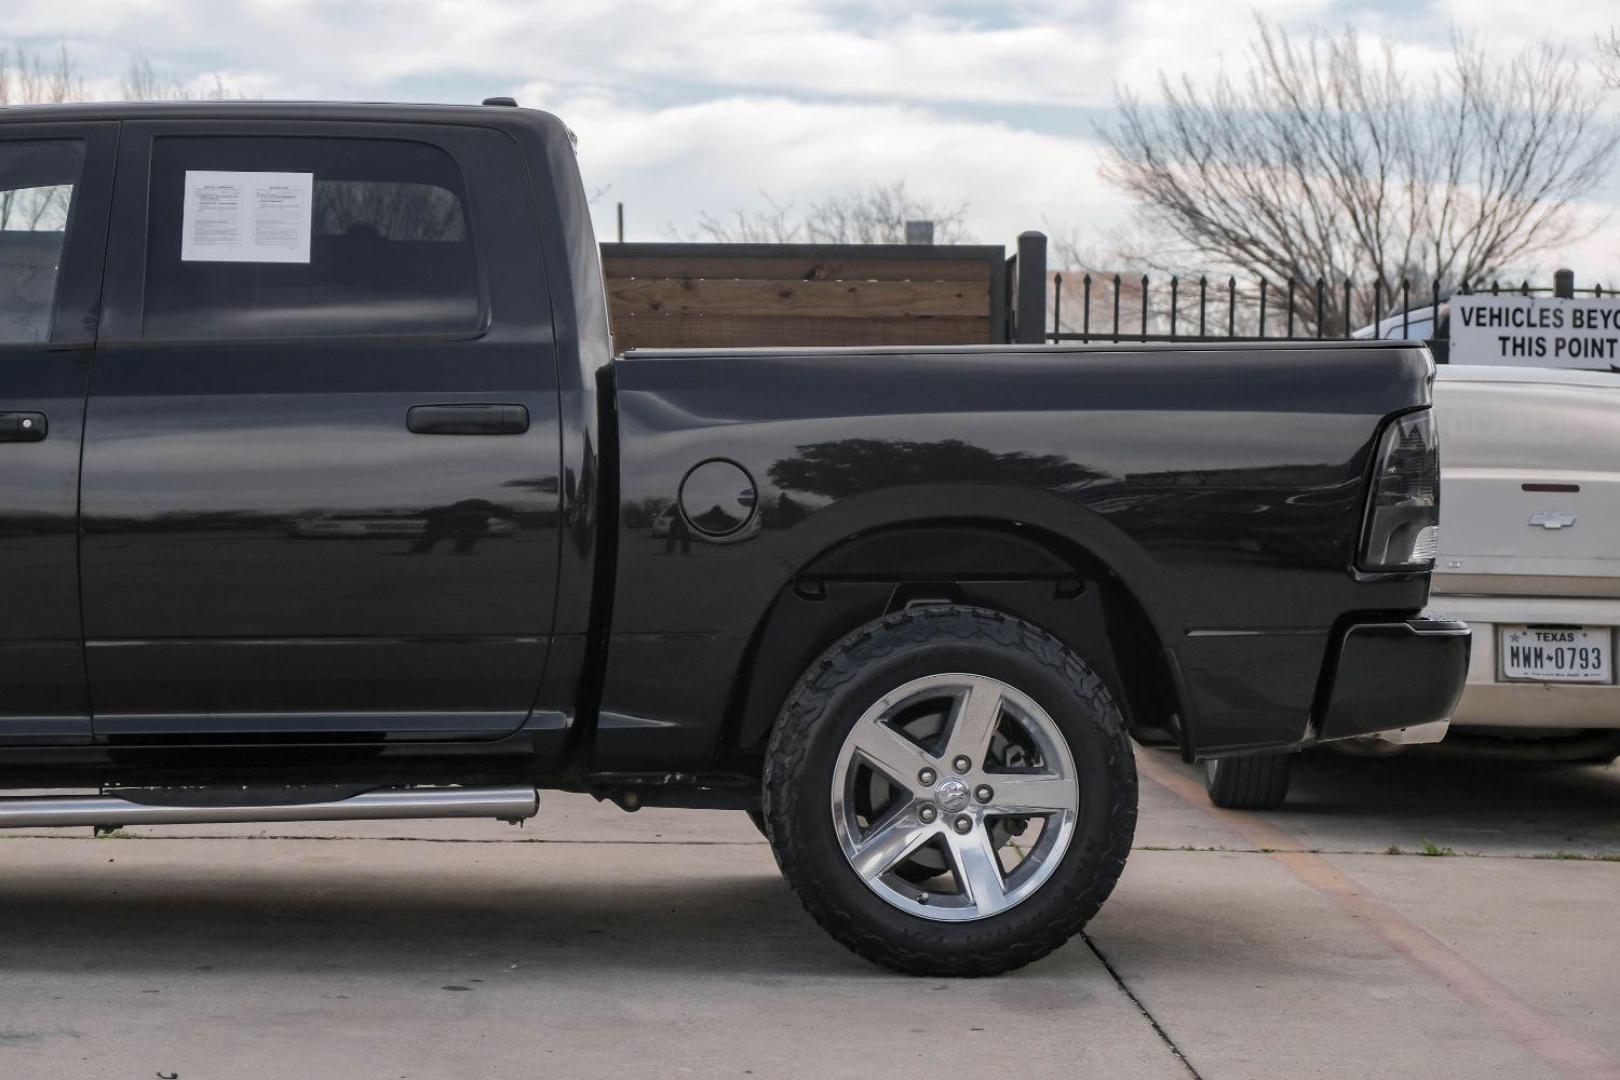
{"x":951,"y":792}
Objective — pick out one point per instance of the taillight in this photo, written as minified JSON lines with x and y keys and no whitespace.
{"x":1403,"y":510}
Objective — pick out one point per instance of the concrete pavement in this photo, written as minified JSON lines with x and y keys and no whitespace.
{"x":596,"y":943}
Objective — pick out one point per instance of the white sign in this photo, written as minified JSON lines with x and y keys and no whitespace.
{"x":1536,"y":331}
{"x":259,"y":217}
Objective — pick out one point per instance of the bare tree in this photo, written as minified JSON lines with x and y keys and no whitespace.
{"x":772,"y":226}
{"x":27,"y":78}
{"x":1089,"y":270}
{"x":1328,"y":162}
{"x":31,"y":78}
{"x":874,"y":215}
{"x":1083,"y":266}
{"x":1608,"y":50}
{"x":878,"y":215}
{"x":143,"y":82}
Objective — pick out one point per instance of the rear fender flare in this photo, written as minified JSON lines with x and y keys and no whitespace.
{"x":1045,"y":575}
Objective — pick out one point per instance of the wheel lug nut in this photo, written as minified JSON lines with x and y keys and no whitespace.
{"x":927,"y":815}
{"x":983,"y":793}
{"x":926,"y":777}
{"x":964,"y":824}
{"x":962,"y":764}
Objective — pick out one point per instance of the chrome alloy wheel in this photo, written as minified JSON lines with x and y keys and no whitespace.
{"x":954,"y":797}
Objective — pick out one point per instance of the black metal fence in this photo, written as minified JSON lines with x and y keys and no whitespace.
{"x":1262,"y":309}
{"x":1087,"y":307}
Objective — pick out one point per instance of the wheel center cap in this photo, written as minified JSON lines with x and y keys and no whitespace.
{"x":952,"y":795}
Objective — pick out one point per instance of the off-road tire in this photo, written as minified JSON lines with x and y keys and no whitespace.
{"x":758,"y":818}
{"x":831,"y":697}
{"x":1257,"y":782}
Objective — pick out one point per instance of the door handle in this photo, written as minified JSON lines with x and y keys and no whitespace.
{"x":467,"y":419}
{"x":23,"y":426}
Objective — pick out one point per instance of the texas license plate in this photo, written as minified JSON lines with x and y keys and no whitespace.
{"x":1583,"y":654}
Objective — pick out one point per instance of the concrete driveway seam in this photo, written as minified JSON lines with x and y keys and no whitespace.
{"x":1141,"y":1006}
{"x":1568,"y":1053}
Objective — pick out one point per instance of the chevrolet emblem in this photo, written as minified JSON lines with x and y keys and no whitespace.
{"x":1552,"y":519}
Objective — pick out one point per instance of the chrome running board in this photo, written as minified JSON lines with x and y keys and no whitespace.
{"x":110,"y":811}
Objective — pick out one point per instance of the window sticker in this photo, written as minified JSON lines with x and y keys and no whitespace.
{"x":261,"y":217}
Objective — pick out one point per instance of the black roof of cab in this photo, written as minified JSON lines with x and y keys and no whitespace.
{"x":375,"y":112}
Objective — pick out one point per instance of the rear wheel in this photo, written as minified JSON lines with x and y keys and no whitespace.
{"x":759,"y":823}
{"x":951,"y":792}
{"x":1257,"y":782}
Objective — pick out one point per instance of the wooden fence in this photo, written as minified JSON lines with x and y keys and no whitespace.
{"x":735,"y":295}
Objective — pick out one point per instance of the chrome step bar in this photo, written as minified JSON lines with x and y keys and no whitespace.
{"x":110,"y":811}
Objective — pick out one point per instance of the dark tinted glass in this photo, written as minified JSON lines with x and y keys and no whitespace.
{"x":37,"y":179}
{"x":389,"y":247}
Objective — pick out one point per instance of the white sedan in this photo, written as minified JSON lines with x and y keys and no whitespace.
{"x":1530,"y":552}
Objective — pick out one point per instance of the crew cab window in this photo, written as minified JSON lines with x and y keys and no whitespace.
{"x":300,"y":237}
{"x":37,"y":179}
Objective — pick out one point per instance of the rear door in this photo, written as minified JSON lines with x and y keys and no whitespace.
{"x":55,"y":185}
{"x":321,"y":464}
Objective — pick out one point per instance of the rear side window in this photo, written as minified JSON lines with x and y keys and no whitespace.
{"x":37,"y":180}
{"x":300,"y":237}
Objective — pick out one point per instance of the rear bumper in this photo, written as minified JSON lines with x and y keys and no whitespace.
{"x":1388,"y":675}
{"x":1490,"y":701}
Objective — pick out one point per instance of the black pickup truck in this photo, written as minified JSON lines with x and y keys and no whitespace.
{"x":323,"y":496}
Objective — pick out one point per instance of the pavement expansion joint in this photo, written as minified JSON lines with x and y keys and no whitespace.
{"x":1158,"y":1028}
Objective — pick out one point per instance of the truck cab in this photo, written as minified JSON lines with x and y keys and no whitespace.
{"x":321,"y":467}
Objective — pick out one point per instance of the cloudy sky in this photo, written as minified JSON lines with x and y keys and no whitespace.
{"x":687,"y":106}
